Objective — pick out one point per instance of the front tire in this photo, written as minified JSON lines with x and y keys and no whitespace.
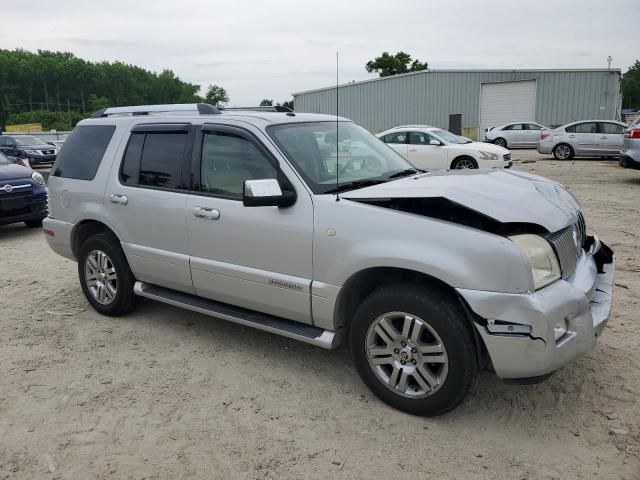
{"x":464,"y":163}
{"x":105,"y":276}
{"x":563,"y":151}
{"x":501,"y":142}
{"x":414,"y":349}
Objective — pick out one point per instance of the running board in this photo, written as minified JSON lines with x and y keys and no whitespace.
{"x":269,"y":323}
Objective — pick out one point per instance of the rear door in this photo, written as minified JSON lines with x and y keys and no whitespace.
{"x":146,"y":202}
{"x":398,"y":141}
{"x":255,"y":257}
{"x":611,"y":138}
{"x":583,"y":137}
{"x":532,"y":134}
{"x":425,"y":156}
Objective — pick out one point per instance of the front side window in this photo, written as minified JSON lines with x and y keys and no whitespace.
{"x":154,"y":159}
{"x":589,"y":127}
{"x":357,"y":158}
{"x":612,"y":128}
{"x":228,"y":160}
{"x":83,"y":152}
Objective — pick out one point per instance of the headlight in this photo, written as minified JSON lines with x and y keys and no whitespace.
{"x":31,"y":152}
{"x":488,"y":156}
{"x":542,"y":259}
{"x":37,"y":178}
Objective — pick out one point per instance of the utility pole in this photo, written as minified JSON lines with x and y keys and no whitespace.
{"x":69,"y":112}
{"x":609,"y":60}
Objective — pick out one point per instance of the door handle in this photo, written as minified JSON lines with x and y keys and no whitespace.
{"x":207,"y":213}
{"x":603,"y":138}
{"x":413,"y":149}
{"x":572,"y":136}
{"x":119,"y":199}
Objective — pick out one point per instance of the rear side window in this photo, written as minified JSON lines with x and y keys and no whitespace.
{"x":589,"y":127}
{"x":83,"y":152}
{"x":154,"y":159}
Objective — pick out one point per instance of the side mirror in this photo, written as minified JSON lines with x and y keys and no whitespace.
{"x":434,"y":142}
{"x":266,"y":193}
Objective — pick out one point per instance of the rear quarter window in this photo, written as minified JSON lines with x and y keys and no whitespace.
{"x":83,"y":152}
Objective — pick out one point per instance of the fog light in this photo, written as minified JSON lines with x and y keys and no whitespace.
{"x":560,"y":329}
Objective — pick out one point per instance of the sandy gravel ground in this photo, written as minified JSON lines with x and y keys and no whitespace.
{"x":168,"y":394}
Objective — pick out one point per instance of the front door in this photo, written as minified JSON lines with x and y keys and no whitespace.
{"x":610,"y":138}
{"x":146,"y":203}
{"x":425,"y":156}
{"x":514,"y":134}
{"x":584,"y":138}
{"x":256,"y":257}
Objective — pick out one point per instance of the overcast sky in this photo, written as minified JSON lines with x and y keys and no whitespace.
{"x":269,"y":49}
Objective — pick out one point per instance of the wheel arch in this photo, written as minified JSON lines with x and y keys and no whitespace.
{"x":363,"y":283}
{"x":86,"y":229}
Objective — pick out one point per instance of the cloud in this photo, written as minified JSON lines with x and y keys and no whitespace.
{"x":258,"y":49}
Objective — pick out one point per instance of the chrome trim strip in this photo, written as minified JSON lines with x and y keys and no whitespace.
{"x":13,"y":187}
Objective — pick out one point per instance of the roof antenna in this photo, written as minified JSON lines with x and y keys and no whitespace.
{"x":337,"y":143}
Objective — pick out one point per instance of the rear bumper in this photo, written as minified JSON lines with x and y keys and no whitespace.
{"x":58,"y":235}
{"x":583,"y":300}
{"x":545,"y":148}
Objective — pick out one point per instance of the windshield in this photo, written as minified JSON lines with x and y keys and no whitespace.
{"x":361,"y":157}
{"x":4,"y":161}
{"x":29,"y":141}
{"x":449,"y":137}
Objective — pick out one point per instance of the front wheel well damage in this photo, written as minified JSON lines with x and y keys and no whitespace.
{"x":362,"y":284}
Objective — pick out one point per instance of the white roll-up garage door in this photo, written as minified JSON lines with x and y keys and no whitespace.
{"x":504,"y":102}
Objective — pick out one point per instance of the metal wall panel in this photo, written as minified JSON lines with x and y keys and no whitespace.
{"x":429,"y":97}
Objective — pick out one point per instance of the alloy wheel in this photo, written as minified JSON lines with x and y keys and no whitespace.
{"x":101,"y":277}
{"x":563,"y":152}
{"x":463,"y":164}
{"x":406,"y":355}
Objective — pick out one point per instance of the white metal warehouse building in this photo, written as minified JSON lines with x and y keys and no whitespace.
{"x":470,"y":101}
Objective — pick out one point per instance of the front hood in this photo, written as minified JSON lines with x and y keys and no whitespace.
{"x":485,"y":147}
{"x":505,"y":196}
{"x":12,"y":172}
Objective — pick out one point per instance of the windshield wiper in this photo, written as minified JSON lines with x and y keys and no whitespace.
{"x":404,"y":173}
{"x":355,"y":184}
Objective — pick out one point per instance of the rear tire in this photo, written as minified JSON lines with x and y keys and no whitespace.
{"x":464,"y":163}
{"x":395,"y":333}
{"x":105,"y":276}
{"x":501,"y":142}
{"x":562,"y":151}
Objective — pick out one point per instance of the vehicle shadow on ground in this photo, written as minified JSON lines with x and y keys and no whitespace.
{"x":17,"y":230}
{"x":334,"y":370}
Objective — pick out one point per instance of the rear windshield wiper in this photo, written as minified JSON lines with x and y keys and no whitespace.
{"x":355,"y":184}
{"x":404,"y":173}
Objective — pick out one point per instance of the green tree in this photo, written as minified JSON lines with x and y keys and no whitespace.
{"x":216,"y":96}
{"x":386,"y":65}
{"x":97,"y":103}
{"x":288,"y":104}
{"x":266,"y":102}
{"x":631,"y":87}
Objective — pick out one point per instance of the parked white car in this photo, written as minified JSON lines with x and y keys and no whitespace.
{"x":430,"y":148}
{"x":516,"y":134}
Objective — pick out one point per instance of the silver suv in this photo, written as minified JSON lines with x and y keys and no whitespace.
{"x":261,"y":219}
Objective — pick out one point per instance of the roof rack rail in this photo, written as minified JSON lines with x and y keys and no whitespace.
{"x":201,"y":108}
{"x":263,"y":108}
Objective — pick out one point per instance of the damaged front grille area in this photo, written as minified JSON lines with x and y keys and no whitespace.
{"x":568,"y":244}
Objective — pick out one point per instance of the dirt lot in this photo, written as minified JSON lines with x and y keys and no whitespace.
{"x":164,"y":393}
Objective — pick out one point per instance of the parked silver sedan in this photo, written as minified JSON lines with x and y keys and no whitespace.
{"x":515,"y":134}
{"x":586,"y":138}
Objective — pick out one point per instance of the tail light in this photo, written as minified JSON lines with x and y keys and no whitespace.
{"x":632,"y":133}
{"x":544,"y":134}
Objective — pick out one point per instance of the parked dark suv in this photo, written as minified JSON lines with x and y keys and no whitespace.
{"x":34,"y":149}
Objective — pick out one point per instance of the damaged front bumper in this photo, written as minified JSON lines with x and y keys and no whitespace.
{"x":519,"y":329}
